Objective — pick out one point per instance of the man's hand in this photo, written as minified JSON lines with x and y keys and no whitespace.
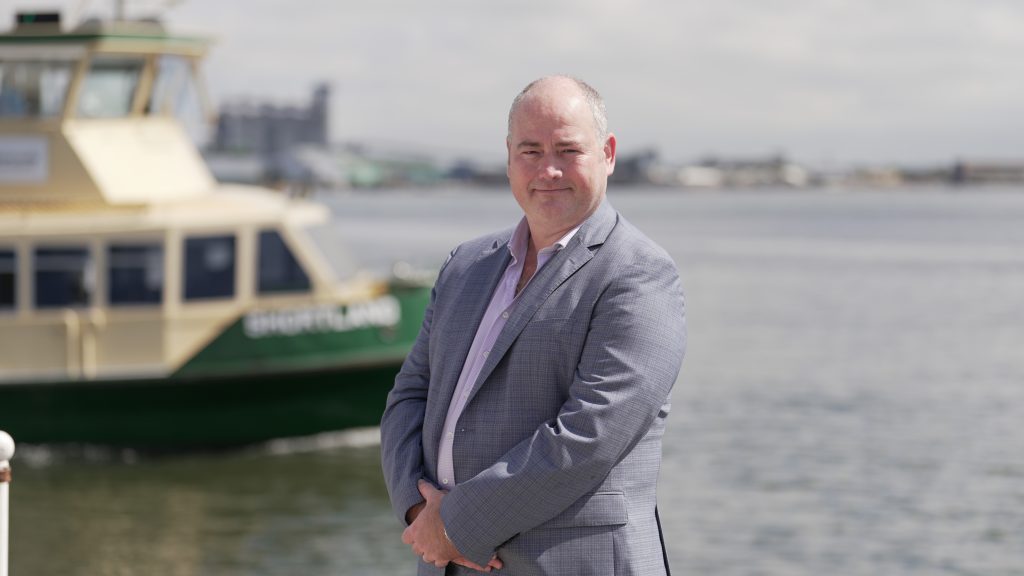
{"x":412,"y":513}
{"x":426,"y":533}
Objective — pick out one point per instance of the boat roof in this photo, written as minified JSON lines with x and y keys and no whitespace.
{"x":136,"y":37}
{"x":137,"y":155}
{"x":231,"y":207}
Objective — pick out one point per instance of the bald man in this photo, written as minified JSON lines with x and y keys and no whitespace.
{"x":523,"y":433}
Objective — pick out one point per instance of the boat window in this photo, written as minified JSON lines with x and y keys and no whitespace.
{"x":175,"y":93}
{"x":136,"y":274}
{"x":279,"y":269}
{"x":209,"y":267}
{"x":8,"y":267}
{"x":31,"y":89}
{"x":109,"y":87}
{"x":172,"y":75}
{"x":64,"y":277}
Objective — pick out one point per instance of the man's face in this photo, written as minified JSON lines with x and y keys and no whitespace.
{"x":557,"y":165}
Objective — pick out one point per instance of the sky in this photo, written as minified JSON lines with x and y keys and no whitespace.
{"x":826,"y":82}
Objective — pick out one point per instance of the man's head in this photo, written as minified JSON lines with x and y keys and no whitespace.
{"x":560,"y":153}
{"x":593,"y":99}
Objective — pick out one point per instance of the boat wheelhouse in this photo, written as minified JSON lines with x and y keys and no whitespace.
{"x":141,"y":302}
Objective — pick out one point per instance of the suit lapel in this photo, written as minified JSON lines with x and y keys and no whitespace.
{"x":480,"y":280}
{"x":561,"y":267}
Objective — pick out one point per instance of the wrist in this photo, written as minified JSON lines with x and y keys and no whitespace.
{"x":448,"y":539}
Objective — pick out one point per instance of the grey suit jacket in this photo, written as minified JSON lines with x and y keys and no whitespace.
{"x":558,"y":449}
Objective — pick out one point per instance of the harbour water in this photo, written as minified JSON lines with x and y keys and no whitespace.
{"x":850,"y":404}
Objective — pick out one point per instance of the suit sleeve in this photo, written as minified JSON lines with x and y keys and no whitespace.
{"x":629,"y":363}
{"x":401,"y":427}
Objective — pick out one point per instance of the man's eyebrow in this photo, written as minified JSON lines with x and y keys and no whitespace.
{"x":569,"y":142}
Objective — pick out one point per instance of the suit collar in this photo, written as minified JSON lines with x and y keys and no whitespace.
{"x":517,"y":245}
{"x":481,"y":278}
{"x":598,"y":226}
{"x":592,"y":233}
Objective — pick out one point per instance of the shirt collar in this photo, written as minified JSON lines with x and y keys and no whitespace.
{"x":521,"y":235}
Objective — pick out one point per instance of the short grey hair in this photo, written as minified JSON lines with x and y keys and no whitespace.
{"x":592,"y":96}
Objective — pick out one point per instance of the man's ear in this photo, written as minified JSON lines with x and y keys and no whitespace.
{"x":609,"y":153}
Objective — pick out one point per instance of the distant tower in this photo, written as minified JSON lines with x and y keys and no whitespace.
{"x":319,"y":118}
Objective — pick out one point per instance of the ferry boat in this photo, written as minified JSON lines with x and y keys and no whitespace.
{"x":144,"y":304}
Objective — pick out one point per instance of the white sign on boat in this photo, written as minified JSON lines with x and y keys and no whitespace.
{"x":24,"y":160}
{"x":380,"y":312}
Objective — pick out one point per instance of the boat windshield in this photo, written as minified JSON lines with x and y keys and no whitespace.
{"x":33,"y":89}
{"x":172,"y":85}
{"x":109,"y":87}
{"x":176,"y":93}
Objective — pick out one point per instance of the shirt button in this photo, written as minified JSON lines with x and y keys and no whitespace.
{"x":486,"y":352}
{"x":444,"y":481}
{"x":451,"y":434}
{"x":504,"y":314}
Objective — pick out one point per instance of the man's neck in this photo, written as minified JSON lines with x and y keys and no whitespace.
{"x":541,"y":238}
{"x":536,"y":244}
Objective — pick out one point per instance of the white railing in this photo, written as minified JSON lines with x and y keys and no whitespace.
{"x":6,"y":453}
{"x":81,"y":349}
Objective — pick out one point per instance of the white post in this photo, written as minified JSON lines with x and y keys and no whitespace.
{"x":6,"y":453}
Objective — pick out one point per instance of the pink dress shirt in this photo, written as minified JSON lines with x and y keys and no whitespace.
{"x":502,"y":305}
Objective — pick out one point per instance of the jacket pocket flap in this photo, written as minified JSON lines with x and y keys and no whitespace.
{"x":598,"y":509}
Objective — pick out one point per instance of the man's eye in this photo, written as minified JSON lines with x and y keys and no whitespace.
{"x":570,"y":151}
{"x":530,"y":152}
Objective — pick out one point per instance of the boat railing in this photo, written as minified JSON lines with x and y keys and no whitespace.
{"x":81,"y":343}
{"x":73,"y":343}
{"x":82,"y":350}
{"x":6,"y":453}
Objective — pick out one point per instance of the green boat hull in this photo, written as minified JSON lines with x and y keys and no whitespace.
{"x":191,"y":413}
{"x":271,"y":374}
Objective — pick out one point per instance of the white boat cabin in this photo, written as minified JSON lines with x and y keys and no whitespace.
{"x":119,"y":253}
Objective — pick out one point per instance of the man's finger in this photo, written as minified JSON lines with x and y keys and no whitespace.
{"x":407,"y":536}
{"x":495,"y":563}
{"x":461,"y":561}
{"x":426,"y":489}
{"x":431,"y":558}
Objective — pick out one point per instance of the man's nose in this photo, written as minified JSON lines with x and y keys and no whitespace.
{"x":551,"y":169}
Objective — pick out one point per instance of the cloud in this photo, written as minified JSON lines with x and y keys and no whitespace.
{"x":853,"y":80}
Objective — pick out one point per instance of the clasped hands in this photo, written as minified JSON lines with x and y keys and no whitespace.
{"x":426,"y":535}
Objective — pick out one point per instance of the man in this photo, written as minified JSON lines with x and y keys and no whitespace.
{"x":523,"y":433}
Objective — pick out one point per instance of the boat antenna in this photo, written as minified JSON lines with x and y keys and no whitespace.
{"x":121,"y":7}
{"x":76,"y":11}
